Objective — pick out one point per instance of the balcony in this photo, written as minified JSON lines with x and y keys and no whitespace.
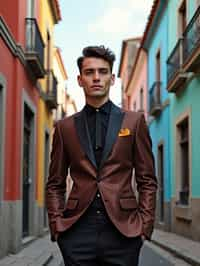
{"x":192,"y":44}
{"x":34,"y":48}
{"x":175,"y":72}
{"x":155,"y":106}
{"x":51,"y":94}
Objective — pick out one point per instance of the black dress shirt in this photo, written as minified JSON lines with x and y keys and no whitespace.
{"x":97,"y":120}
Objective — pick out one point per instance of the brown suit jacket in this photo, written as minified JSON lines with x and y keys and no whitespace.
{"x":127,"y":147}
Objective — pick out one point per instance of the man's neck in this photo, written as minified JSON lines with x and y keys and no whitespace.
{"x":96,"y":103}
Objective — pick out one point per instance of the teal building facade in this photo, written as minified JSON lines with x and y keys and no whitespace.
{"x":156,"y":44}
{"x":183,"y":84}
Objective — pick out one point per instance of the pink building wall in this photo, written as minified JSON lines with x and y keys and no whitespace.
{"x":128,"y":56}
{"x":137,"y":82}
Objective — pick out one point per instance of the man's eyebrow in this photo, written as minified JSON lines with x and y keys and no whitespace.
{"x":88,"y":68}
{"x":100,"y":68}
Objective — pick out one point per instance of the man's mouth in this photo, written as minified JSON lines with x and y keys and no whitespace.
{"x":97,"y":87}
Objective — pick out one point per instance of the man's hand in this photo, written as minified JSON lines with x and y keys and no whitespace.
{"x":143,"y":237}
{"x":56,"y":237}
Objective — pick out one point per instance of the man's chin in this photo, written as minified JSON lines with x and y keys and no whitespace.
{"x":98,"y":95}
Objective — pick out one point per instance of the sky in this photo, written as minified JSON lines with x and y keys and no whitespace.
{"x":97,"y":22}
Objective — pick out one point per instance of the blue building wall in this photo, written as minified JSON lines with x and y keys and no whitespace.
{"x":185,"y":217}
{"x":159,"y":127}
{"x":189,"y":99}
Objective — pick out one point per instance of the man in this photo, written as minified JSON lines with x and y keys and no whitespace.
{"x":102,"y":222}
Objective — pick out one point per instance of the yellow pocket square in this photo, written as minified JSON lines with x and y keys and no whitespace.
{"x":124,"y":132}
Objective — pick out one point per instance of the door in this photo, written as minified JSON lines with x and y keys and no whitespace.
{"x":26,"y":170}
{"x":46,"y":168}
{"x":161,"y":182}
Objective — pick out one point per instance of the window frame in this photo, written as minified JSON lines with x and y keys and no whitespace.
{"x":179,"y":121}
{"x":161,"y":147}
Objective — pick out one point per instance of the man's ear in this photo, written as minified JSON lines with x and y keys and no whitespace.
{"x":79,"y":79}
{"x":112,"y":79}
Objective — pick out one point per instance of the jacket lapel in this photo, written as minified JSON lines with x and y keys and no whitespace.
{"x":84,"y":136}
{"x":114,"y":125}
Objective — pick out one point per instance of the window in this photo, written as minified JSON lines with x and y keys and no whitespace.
{"x":48,"y":51}
{"x":183,"y":161}
{"x":134,"y":106}
{"x":182,"y":18}
{"x":141,"y":99}
{"x":158,"y":78}
{"x":158,"y":66}
{"x":161,"y":182}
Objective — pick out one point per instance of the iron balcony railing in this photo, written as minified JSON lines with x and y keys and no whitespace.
{"x":154,"y":98}
{"x":191,"y":35}
{"x":34,"y":42}
{"x":185,"y":47}
{"x":175,"y":60}
{"x":51,"y":95}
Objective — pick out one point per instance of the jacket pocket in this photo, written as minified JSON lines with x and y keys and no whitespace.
{"x":70,"y":207}
{"x":71,"y":204}
{"x":128,"y":203}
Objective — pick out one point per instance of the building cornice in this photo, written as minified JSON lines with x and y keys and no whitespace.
{"x":9,"y":40}
{"x":55,"y":10}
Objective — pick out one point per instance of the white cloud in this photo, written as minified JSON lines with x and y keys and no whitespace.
{"x":127,"y":20}
{"x":114,"y":20}
{"x":143,"y":5}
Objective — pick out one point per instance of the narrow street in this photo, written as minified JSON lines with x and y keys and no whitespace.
{"x":44,"y":252}
{"x":152,"y":255}
{"x":99,"y":106}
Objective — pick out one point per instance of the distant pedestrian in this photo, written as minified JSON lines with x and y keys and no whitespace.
{"x":102,"y":222}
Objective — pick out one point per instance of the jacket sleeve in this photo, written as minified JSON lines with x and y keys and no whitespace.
{"x":145,"y":176}
{"x":56,"y":183}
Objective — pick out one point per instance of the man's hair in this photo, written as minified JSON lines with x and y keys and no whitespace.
{"x":98,"y":52}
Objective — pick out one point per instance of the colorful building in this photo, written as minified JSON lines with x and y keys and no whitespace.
{"x":49,"y":15}
{"x":136,"y":89}
{"x":24,"y":97}
{"x":155,"y":41}
{"x":70,"y":105}
{"x":183,"y":84}
{"x":171,"y":41}
{"x":128,"y":55}
{"x":61,"y":76}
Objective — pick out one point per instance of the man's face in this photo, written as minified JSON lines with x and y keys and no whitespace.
{"x":96,"y":77}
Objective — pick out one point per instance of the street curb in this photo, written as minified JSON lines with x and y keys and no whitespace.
{"x":47,"y":260}
{"x":193,"y":261}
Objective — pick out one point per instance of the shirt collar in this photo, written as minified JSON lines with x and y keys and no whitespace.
{"x":105,"y":108}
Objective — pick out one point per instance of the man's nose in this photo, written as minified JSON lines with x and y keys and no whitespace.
{"x":96,"y":75}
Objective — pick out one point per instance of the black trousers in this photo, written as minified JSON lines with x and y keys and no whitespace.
{"x":94,"y":241}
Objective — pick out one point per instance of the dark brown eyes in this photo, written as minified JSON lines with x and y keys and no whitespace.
{"x":100,"y":71}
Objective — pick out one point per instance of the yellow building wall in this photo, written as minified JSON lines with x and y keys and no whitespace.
{"x":45,"y":116}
